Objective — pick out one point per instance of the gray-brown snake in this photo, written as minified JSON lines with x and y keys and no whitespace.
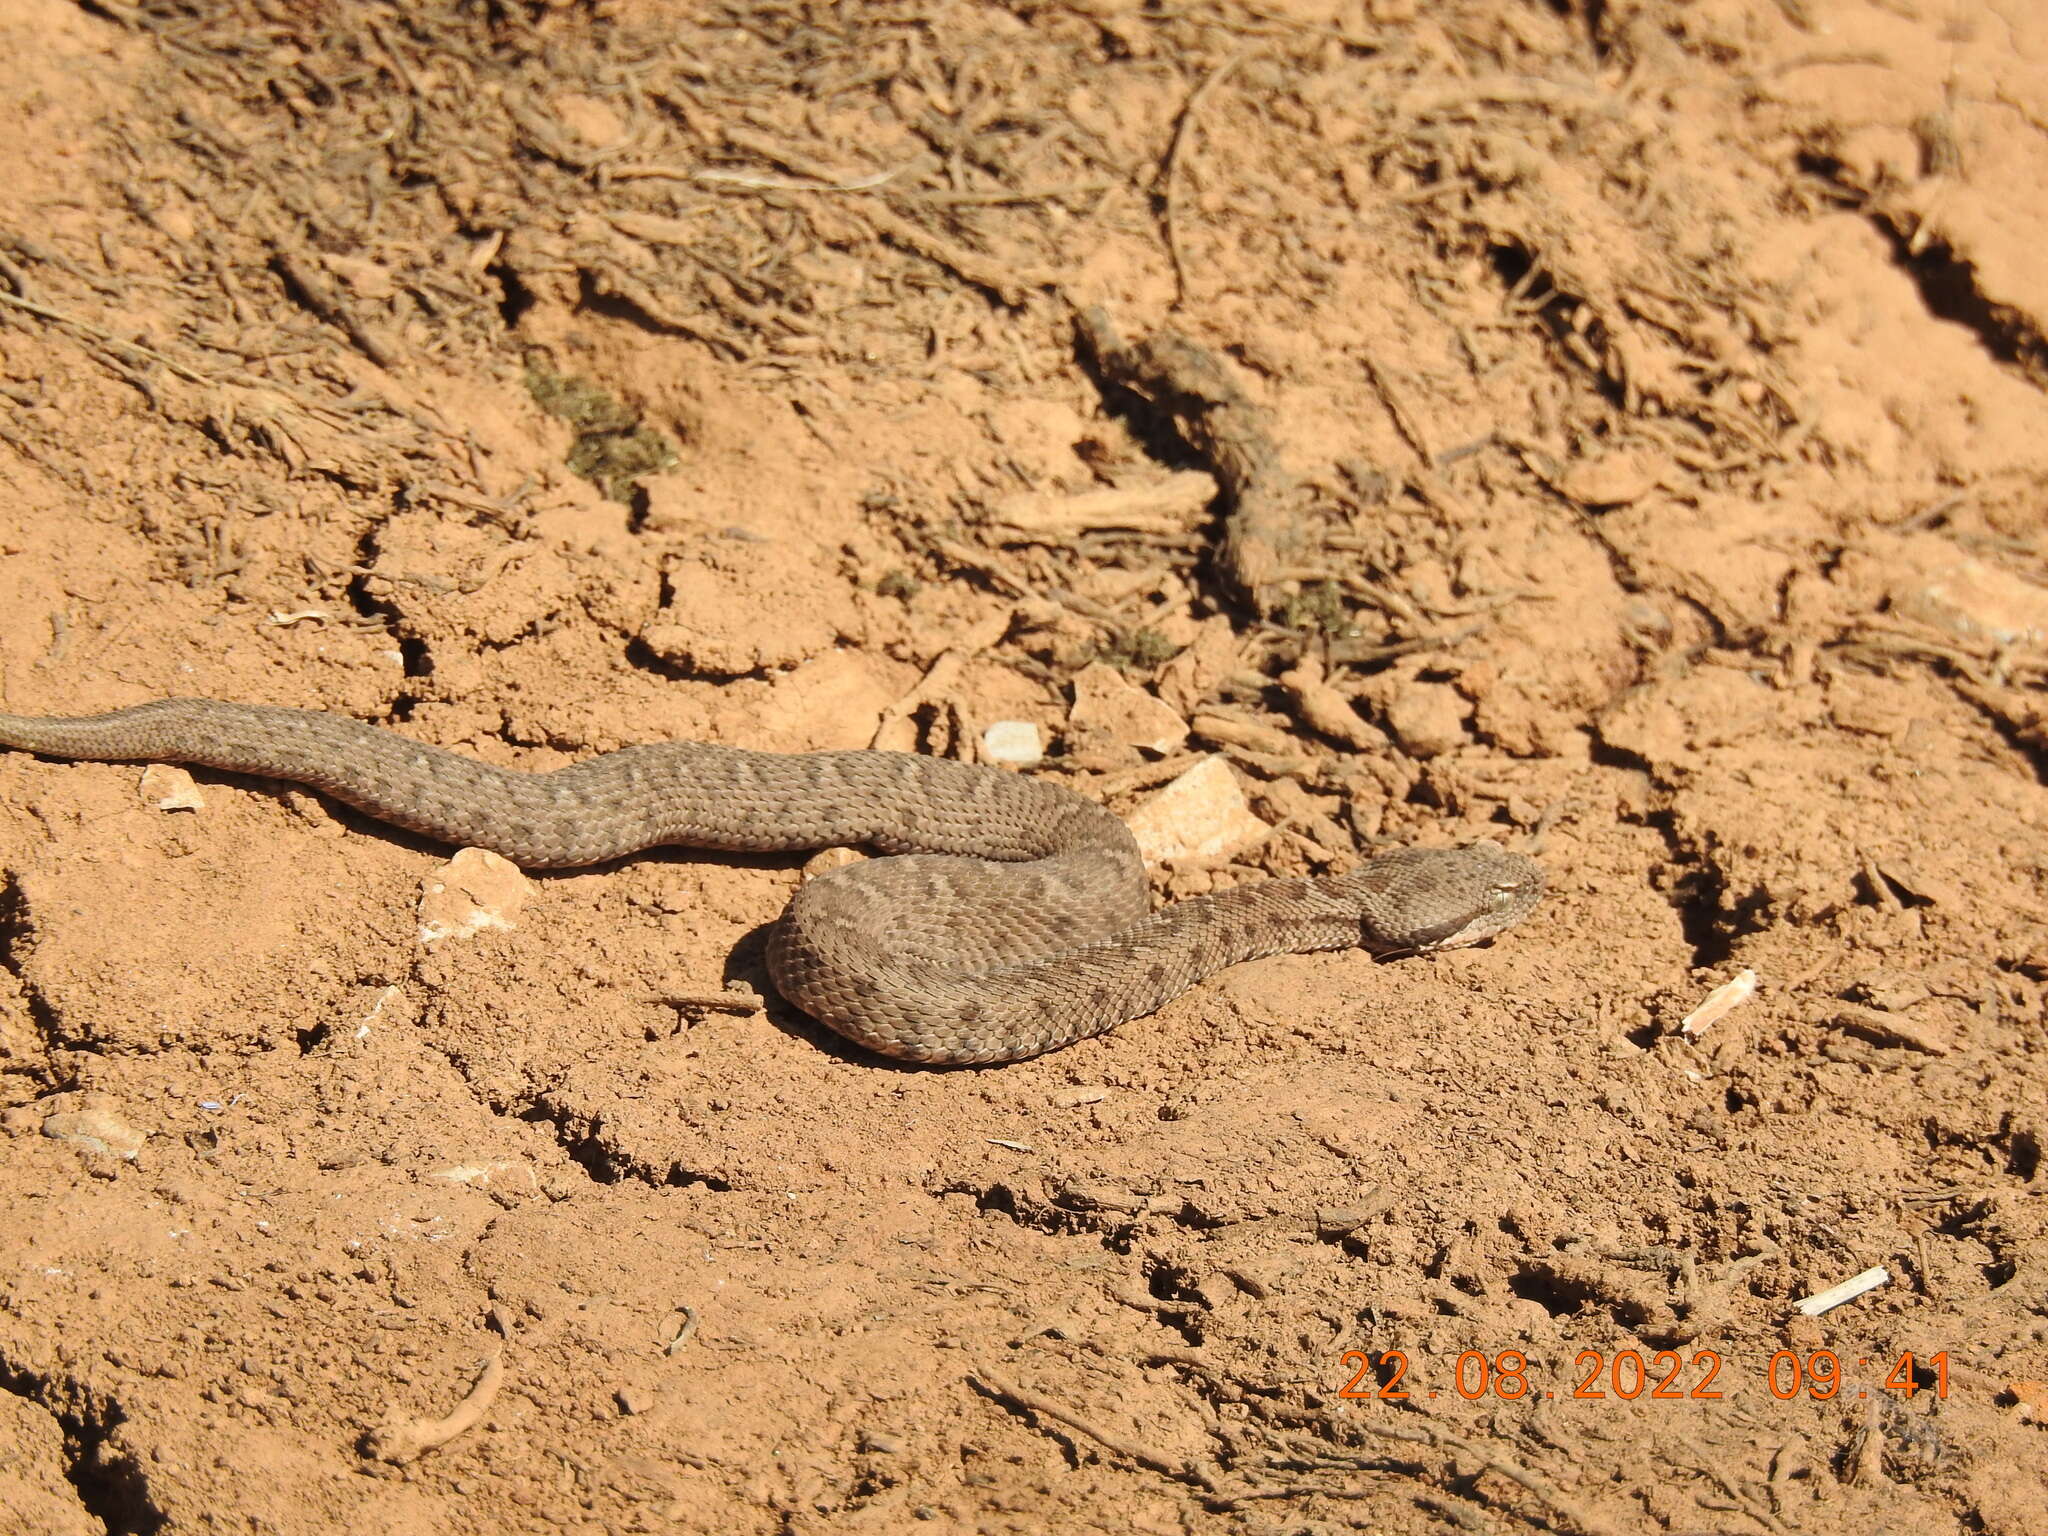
{"x":1017,"y":919}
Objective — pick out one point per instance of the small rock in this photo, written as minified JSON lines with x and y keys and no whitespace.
{"x":1013,"y":744}
{"x":634,"y":1400}
{"x":1211,"y":656}
{"x":825,"y":860}
{"x":366,"y":279}
{"x":596,"y":122}
{"x":1074,"y":1098}
{"x":1322,"y":708}
{"x":1337,"y":1220}
{"x":1202,"y":814}
{"x":1893,"y":991}
{"x":475,"y":890}
{"x":1975,"y":601}
{"x":1286,"y":804}
{"x":492,"y":1174}
{"x":1105,"y":705}
{"x":2032,"y":1399}
{"x":1428,"y":719}
{"x":170,"y":788}
{"x":1612,"y":480}
{"x":1912,"y":884}
{"x":94,"y":1127}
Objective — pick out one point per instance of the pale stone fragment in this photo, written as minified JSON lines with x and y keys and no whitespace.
{"x":1200,"y":815}
{"x":1975,"y":601}
{"x":475,"y":890}
{"x":93,"y":1126}
{"x":171,"y":788}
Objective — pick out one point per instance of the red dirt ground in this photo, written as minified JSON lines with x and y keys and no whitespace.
{"x":1663,"y":383}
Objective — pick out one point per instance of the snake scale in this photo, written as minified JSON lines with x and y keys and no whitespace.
{"x":1015,"y":921}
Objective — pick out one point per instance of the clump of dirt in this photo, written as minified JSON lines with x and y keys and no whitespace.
{"x":1629,"y":452}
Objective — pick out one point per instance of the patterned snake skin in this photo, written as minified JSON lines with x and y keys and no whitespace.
{"x":1017,"y":921}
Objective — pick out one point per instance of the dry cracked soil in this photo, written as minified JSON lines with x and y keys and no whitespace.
{"x":1626,"y":443}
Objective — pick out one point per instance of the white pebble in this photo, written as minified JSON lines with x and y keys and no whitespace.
{"x":1013,"y":743}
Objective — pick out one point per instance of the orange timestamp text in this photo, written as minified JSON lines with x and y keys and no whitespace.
{"x":1662,"y":1376}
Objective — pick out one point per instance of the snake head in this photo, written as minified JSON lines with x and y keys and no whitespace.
{"x":1421,"y":900}
{"x":1505,"y":886}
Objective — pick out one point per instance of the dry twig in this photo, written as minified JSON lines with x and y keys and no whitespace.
{"x":1060,"y":1413}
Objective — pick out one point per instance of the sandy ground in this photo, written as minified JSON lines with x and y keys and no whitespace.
{"x":1659,"y":388}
